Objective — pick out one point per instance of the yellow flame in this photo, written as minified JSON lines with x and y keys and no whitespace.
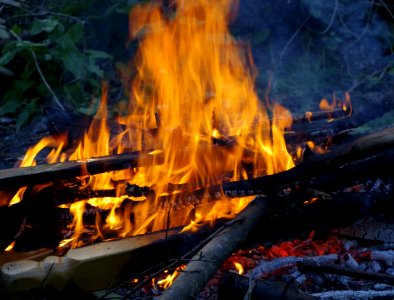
{"x":239,"y":268}
{"x":193,"y":82}
{"x":10,"y":247}
{"x":167,"y":282}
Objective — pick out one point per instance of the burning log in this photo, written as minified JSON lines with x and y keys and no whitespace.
{"x":361,"y":148}
{"x":17,"y":177}
{"x":90,"y":268}
{"x":96,"y":266}
{"x":205,"y":263}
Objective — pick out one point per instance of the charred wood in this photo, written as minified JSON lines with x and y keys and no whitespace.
{"x":234,"y":286}
{"x":98,"y":266}
{"x":17,"y":177}
{"x":309,"y":266}
{"x":361,"y":148}
{"x":205,"y":263}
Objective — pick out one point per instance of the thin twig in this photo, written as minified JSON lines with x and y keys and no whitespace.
{"x":332,"y":18}
{"x":36,"y":64}
{"x":386,"y":7}
{"x":292,"y":38}
{"x":380,"y":73}
{"x":43,"y":14}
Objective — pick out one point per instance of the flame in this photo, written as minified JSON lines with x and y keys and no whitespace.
{"x":345,"y":105}
{"x":239,"y":268}
{"x":167,"y":282}
{"x":10,"y":247}
{"x":311,"y":201}
{"x":316,"y":148}
{"x":193,"y":82}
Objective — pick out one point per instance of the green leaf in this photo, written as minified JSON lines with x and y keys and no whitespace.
{"x":94,"y":54}
{"x":17,"y":29}
{"x":47,"y":25}
{"x":75,"y":94}
{"x":16,"y":92}
{"x":74,"y":62}
{"x":9,"y":53}
{"x":6,"y":72}
{"x":10,"y":107}
{"x":29,"y":109}
{"x":93,"y":68}
{"x":76,"y":33}
{"x":3,"y":33}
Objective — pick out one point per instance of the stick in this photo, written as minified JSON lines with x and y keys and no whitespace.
{"x":17,"y":177}
{"x":205,"y":263}
{"x":316,"y":165}
{"x":234,"y":286}
{"x":309,"y":266}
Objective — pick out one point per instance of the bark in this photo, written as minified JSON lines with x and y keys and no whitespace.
{"x":204,"y":264}
{"x":236,"y":287}
{"x":309,"y":266}
{"x":17,"y":177}
{"x":361,"y":148}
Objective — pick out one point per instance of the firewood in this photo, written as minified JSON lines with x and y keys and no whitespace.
{"x":238,"y":287}
{"x":361,"y":148}
{"x":90,"y":268}
{"x":345,"y":295}
{"x":97,"y":266}
{"x":205,"y":263}
{"x":309,"y":266}
{"x":17,"y":177}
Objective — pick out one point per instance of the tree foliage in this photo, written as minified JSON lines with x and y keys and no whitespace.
{"x":49,"y":51}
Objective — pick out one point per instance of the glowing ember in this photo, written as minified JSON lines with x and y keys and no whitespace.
{"x":192,"y":84}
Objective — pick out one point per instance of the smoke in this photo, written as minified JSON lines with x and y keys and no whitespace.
{"x":306,"y":50}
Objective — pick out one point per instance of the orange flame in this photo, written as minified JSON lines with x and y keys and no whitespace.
{"x":167,"y":282}
{"x":192,"y":83}
{"x":10,"y":247}
{"x":345,"y":105}
{"x":239,"y":268}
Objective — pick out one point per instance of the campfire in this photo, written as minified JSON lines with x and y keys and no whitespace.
{"x":184,"y":161}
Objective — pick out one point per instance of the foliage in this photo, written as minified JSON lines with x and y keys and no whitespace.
{"x":57,"y":44}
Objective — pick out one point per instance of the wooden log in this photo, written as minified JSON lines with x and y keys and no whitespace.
{"x":316,"y":165}
{"x":17,"y":177}
{"x":238,"y":287}
{"x":90,"y":268}
{"x":309,"y":266}
{"x":204,"y":264}
{"x":96,"y":266}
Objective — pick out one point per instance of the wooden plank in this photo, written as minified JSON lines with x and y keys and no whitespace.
{"x":89,"y":268}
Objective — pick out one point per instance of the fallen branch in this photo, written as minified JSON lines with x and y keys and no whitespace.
{"x":205,"y":263}
{"x":17,"y":177}
{"x":310,"y":266}
{"x":235,"y":287}
{"x":355,"y":295}
{"x":316,"y":165}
